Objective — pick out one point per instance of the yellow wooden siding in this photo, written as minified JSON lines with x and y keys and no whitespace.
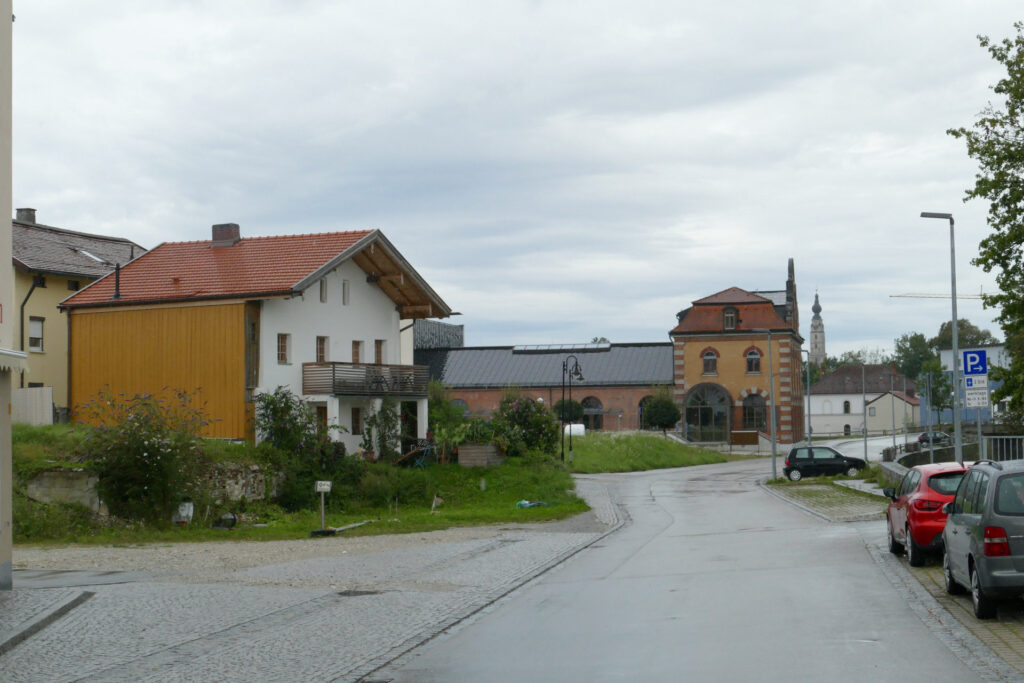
{"x":194,"y":348}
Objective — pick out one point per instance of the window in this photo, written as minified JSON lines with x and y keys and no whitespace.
{"x":753,"y":361}
{"x":871,"y":411}
{"x":846,"y":430}
{"x":357,"y":351}
{"x":321,"y":349}
{"x":378,"y":351}
{"x":461,"y":406}
{"x":283,"y":344}
{"x":357,"y":421}
{"x":846,"y":407}
{"x":710,"y":362}
{"x":35,"y":334}
{"x":74,"y":285}
{"x":323,"y":290}
{"x":729,"y":318}
{"x":754,"y":415}
{"x":344,"y":292}
{"x":321,"y":417}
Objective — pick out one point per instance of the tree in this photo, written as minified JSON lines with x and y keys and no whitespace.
{"x":661,"y":413}
{"x":600,"y":340}
{"x":573,"y":410}
{"x":967,"y":334}
{"x":912,"y":350}
{"x":941,"y":392}
{"x":996,"y":142}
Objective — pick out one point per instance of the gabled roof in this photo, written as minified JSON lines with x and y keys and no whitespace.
{"x":906,"y":398}
{"x":55,"y":251}
{"x":642,"y":364}
{"x":733,"y":295}
{"x":753,"y":312}
{"x":847,"y":380}
{"x":259,"y":268}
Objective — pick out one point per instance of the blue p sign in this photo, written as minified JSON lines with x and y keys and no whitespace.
{"x":975,"y":363}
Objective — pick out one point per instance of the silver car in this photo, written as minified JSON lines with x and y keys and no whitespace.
{"x":984,"y":535}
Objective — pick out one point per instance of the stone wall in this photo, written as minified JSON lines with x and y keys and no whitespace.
{"x":226,"y":482}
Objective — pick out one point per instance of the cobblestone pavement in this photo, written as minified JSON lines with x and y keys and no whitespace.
{"x":357,"y":613}
{"x":994,"y":648}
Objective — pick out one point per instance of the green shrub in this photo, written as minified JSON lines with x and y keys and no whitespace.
{"x":522,"y":424}
{"x":145,"y":452}
{"x":41,"y":522}
{"x":383,"y":484}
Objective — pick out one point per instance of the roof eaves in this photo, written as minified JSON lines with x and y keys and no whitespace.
{"x":242,"y":296}
{"x":306,"y":282}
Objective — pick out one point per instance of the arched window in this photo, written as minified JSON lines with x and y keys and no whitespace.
{"x":460,"y":405}
{"x":846,"y":407}
{"x":754,"y":414}
{"x":753,"y":361}
{"x":846,"y":430}
{"x":593,"y":413}
{"x":710,"y":362}
{"x":707,"y":413}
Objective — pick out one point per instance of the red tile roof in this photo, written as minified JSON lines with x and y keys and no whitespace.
{"x":752,"y":312}
{"x":253,"y":267}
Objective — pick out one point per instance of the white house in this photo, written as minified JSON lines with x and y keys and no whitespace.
{"x":839,"y":402}
{"x":235,"y":317}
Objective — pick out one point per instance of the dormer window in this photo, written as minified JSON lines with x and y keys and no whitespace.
{"x":729,"y":319}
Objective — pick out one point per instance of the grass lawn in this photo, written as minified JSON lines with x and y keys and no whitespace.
{"x":632,"y":451}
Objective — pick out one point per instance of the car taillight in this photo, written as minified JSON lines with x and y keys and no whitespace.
{"x":996,"y":543}
{"x":927,"y":505}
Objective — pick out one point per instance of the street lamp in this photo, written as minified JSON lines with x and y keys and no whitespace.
{"x":771,"y":394}
{"x":958,"y":444}
{"x":572,"y":371}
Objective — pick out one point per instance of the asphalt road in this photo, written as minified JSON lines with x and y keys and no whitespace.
{"x":711,"y":579}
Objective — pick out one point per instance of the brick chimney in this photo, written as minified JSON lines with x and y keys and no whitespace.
{"x":26,"y":216}
{"x":225,"y":235}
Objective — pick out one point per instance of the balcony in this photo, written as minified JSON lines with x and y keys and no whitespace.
{"x":359,"y":379}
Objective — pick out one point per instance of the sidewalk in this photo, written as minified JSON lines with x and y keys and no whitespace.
{"x":339,"y":617}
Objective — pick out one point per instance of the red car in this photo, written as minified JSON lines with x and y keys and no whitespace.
{"x":915,"y":516}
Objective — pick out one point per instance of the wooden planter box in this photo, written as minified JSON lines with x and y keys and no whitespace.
{"x":480,"y":455}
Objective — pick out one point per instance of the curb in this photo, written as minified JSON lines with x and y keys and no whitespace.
{"x":42,"y":621}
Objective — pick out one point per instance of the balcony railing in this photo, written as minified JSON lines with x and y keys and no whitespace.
{"x":360,"y":379}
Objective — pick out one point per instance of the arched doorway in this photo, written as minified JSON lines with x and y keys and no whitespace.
{"x":641,"y":407}
{"x":593,"y":413}
{"x":707,"y":413}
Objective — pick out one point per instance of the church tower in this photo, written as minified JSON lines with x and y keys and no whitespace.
{"x":817,"y":351}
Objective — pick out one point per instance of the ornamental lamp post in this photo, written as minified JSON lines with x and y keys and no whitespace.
{"x":958,"y":444}
{"x":572,"y":371}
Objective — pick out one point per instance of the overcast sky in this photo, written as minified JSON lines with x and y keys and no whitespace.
{"x":555,"y":170}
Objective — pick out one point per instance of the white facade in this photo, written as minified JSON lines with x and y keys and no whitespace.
{"x":890,"y":409}
{"x":346,"y":309}
{"x":836,"y":413}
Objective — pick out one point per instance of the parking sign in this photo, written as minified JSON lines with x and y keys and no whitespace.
{"x":975,"y":362}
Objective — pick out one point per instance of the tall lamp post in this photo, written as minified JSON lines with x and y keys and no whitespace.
{"x":771,"y":395}
{"x":572,"y":371}
{"x":958,"y":443}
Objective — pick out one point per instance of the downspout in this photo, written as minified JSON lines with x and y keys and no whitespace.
{"x":21,"y":322}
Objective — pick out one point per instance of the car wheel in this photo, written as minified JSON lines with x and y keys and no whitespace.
{"x":895,"y":547}
{"x":984,"y":607}
{"x":952,"y":587}
{"x":852,"y":472}
{"x":915,"y":555}
{"x":794,"y":475}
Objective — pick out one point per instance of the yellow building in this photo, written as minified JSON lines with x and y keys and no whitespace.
{"x":50,"y":264}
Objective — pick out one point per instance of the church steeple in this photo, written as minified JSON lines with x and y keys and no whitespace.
{"x":817,"y":350}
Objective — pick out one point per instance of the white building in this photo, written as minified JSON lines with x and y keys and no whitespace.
{"x":841,"y":401}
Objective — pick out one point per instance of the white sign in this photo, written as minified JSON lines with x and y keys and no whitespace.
{"x":976,"y":398}
{"x":975,"y":362}
{"x":323,"y":487}
{"x":976,"y":382}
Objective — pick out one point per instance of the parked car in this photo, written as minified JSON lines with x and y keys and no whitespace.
{"x":804,"y":461}
{"x":984,"y":535}
{"x":915,"y":515}
{"x":934,"y":438}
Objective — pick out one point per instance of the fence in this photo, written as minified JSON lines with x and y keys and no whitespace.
{"x":1004,"y":447}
